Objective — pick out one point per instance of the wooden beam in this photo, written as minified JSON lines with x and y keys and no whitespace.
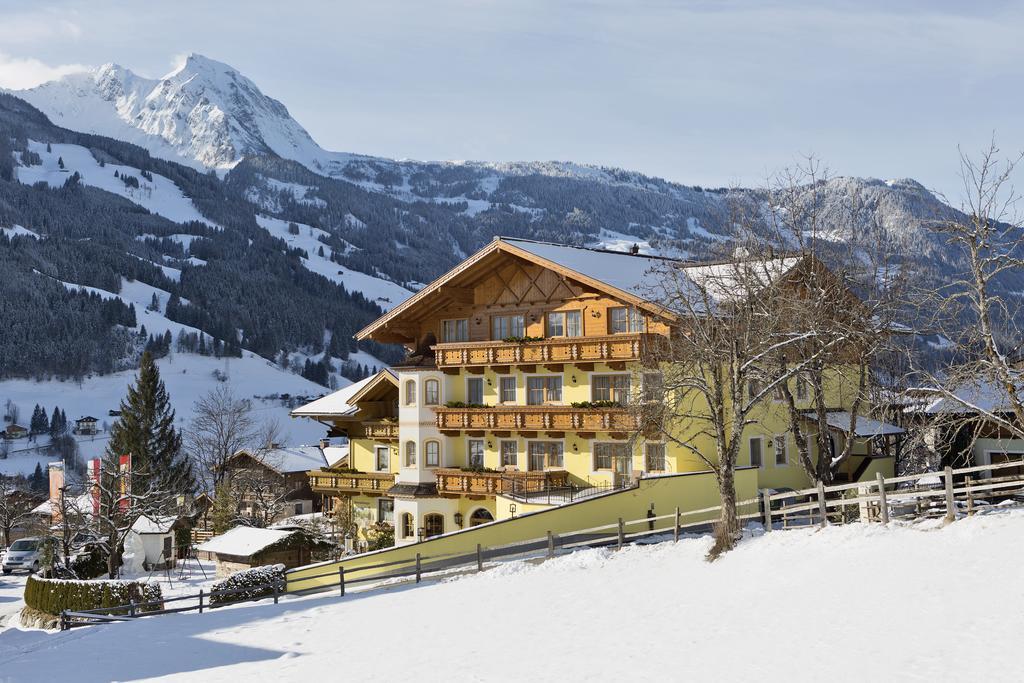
{"x":452,"y":371}
{"x":556,"y":435}
{"x":528,"y":434}
{"x":502,"y":369}
{"x":617,"y":365}
{"x":474,"y":432}
{"x":475,"y":369}
{"x":617,"y":435}
{"x":585,"y":435}
{"x":554,"y":367}
{"x":585,"y":367}
{"x":528,"y":368}
{"x":502,"y":433}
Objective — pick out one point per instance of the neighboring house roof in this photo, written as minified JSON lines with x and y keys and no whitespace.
{"x":288,"y":459}
{"x":630,"y":277}
{"x":864,"y":426}
{"x":82,"y":503}
{"x":87,"y":418}
{"x":244,"y":541}
{"x":154,"y":525}
{"x":336,"y":454}
{"x":16,"y":428}
{"x":979,"y":396}
{"x":342,"y":402}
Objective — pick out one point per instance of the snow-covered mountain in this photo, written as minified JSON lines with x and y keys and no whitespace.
{"x":204,"y":113}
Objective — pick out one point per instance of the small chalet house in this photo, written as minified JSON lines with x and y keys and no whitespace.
{"x":15,"y":432}
{"x":964,"y":437}
{"x":521,"y":362}
{"x":274,"y":484}
{"x":156,"y":538}
{"x":85,"y":425}
{"x":245,"y":547}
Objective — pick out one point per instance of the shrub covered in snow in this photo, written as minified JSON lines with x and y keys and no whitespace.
{"x":56,"y":595}
{"x":248,"y":584}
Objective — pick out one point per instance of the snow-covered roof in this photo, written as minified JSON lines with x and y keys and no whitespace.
{"x":154,"y":525}
{"x":335,"y":454}
{"x":288,"y":459}
{"x":338,"y":404}
{"x":244,"y":541}
{"x":864,"y":426}
{"x":979,"y":396}
{"x":82,"y":503}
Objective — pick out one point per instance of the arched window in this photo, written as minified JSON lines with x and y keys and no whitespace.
{"x":480,"y":516}
{"x":431,"y":392}
{"x":410,"y":392}
{"x":410,"y":454}
{"x":432,"y":453}
{"x":433,"y":525}
{"x":408,"y":526}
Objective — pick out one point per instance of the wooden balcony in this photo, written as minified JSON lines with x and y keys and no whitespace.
{"x":460,"y":482}
{"x":333,"y":483}
{"x":378,"y":431}
{"x":536,"y":418}
{"x":616,"y":347}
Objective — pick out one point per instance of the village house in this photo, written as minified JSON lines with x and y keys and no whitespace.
{"x":15,"y":431}
{"x":515,"y":395}
{"x":246,"y":547}
{"x":85,"y":426}
{"x":273,"y":484}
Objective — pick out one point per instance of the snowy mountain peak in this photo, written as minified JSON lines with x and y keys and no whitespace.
{"x":203,"y":113}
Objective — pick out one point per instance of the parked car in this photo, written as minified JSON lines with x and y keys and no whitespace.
{"x":27,"y":554}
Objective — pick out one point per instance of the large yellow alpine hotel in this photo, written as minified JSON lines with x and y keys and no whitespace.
{"x":492,"y":414}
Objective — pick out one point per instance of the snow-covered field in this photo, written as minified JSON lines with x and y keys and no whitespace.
{"x":187,"y":376}
{"x":846,"y":603}
{"x":160,"y":196}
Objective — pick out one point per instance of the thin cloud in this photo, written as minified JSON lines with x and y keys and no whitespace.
{"x":19,"y":73}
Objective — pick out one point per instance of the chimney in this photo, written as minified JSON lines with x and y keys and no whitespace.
{"x":324,"y":443}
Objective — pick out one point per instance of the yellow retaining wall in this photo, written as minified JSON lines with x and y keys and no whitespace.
{"x":689,"y":491}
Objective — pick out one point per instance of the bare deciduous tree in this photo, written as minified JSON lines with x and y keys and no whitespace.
{"x":16,"y":505}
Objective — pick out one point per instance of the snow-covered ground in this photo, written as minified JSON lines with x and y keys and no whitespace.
{"x":187,"y":376}
{"x":159,"y":196}
{"x":846,"y":603}
{"x":385,"y":294}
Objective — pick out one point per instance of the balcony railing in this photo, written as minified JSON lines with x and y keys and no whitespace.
{"x":615,"y":347}
{"x":329,"y":483}
{"x":379,"y":431}
{"x":498,"y":483}
{"x":537,"y":418}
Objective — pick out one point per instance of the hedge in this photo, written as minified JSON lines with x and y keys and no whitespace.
{"x":253,"y":582}
{"x":56,"y":595}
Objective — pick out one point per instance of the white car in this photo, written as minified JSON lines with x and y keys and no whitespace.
{"x":25,"y":553}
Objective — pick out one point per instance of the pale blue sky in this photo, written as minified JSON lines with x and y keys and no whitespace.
{"x":709,"y":93}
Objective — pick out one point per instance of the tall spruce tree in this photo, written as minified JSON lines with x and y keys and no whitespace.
{"x":146,"y":431}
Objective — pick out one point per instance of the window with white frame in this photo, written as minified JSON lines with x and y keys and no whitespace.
{"x":433,"y":524}
{"x":383,"y":458}
{"x":756,"y":452}
{"x":455,"y":330}
{"x":779,"y":442}
{"x":410,"y":454}
{"x":475,"y":451}
{"x":564,"y":324}
{"x":653,"y":388}
{"x":507,"y":389}
{"x":410,"y":392}
{"x":623,"y":319}
{"x":509,"y":454}
{"x":432,"y":454}
{"x":505,"y":326}
{"x":544,"y":454}
{"x":541,"y":390}
{"x":475,"y":391}
{"x":386,"y":510}
{"x":610,"y":388}
{"x":408,"y":525}
{"x":431,"y":392}
{"x":654,"y":457}
{"x":606,"y":453}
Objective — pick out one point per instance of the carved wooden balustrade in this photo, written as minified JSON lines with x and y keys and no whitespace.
{"x":536,"y":418}
{"x":615,"y":347}
{"x":467,"y":482}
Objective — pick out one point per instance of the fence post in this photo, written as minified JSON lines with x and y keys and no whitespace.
{"x":277,"y":590}
{"x":63,"y":620}
{"x":131,"y":608}
{"x":417,"y":567}
{"x":950,"y":501}
{"x":551,"y":545}
{"x":200,"y":600}
{"x":675,"y":531}
{"x":479,"y":558}
{"x":622,"y":533}
{"x":766,"y":496}
{"x":822,"y":506}
{"x":970,"y":495}
{"x":883,"y":501}
{"x":341,"y":581}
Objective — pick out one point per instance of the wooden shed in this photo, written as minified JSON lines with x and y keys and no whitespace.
{"x":246,"y":547}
